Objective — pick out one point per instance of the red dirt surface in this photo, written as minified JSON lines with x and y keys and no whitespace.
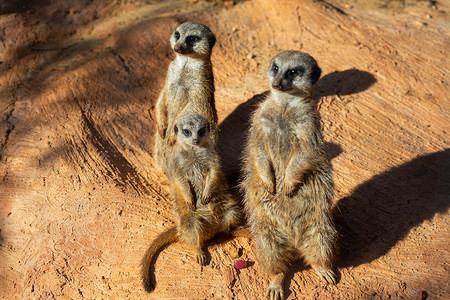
{"x":80,"y":201}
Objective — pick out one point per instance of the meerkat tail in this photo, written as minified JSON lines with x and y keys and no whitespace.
{"x":163,"y":239}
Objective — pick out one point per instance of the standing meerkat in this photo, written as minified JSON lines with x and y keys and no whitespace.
{"x":202,"y":202}
{"x":189,"y":86}
{"x":287,"y":181}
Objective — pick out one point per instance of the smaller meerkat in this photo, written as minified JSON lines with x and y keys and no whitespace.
{"x":189,"y":85}
{"x":202,"y":202}
{"x":287,"y":184}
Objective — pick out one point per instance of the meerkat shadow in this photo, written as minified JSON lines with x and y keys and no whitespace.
{"x":297,"y":265}
{"x":232,"y":136}
{"x":333,"y":150}
{"x":383,"y":210}
{"x":343,"y":83}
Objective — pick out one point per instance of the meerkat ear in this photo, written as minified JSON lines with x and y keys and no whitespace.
{"x":212,"y":41}
{"x":175,"y":129}
{"x":315,"y":74}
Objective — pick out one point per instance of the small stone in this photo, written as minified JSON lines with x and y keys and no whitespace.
{"x":234,"y":252}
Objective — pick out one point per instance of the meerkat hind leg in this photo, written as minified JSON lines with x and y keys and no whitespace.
{"x":200,"y":254}
{"x":200,"y":237}
{"x":317,"y":250}
{"x":192,"y":233}
{"x":275,"y":254}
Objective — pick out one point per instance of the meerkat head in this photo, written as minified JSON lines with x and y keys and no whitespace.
{"x":192,"y":39}
{"x":192,"y":130}
{"x":293,"y":72}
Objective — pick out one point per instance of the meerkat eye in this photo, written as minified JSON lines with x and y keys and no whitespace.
{"x":275,"y":68}
{"x":176,"y":35}
{"x":192,"y":39}
{"x":201,"y":132}
{"x":294,"y":72}
{"x":186,"y":132}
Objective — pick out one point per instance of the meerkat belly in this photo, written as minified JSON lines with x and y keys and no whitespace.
{"x":195,"y":172}
{"x":280,"y":140}
{"x":178,"y":91}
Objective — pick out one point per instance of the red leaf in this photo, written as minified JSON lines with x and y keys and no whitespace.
{"x":240,"y":264}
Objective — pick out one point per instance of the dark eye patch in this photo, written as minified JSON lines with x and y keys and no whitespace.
{"x":295,"y":72}
{"x":192,"y":39}
{"x":274,"y":68}
{"x":176,"y":35}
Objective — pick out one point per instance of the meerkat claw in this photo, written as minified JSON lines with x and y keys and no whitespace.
{"x":326,"y":275}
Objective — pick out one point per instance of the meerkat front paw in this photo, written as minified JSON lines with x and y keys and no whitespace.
{"x":289,"y":189}
{"x":290,"y":186}
{"x":270,"y":188}
{"x":206,"y":198}
{"x":206,"y":194}
{"x":191,"y":205}
{"x":269,"y":185}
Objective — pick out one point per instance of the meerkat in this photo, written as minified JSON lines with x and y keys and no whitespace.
{"x":189,"y":85}
{"x":287,"y":179}
{"x":202,"y":202}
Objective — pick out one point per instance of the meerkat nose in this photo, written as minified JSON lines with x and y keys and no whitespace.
{"x":276,"y":85}
{"x":195,"y":141}
{"x":177,"y":49}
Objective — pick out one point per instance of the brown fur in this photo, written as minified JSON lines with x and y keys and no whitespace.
{"x":287,"y":176}
{"x":203,"y":205}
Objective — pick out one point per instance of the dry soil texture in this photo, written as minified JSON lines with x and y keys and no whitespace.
{"x":80,"y":201}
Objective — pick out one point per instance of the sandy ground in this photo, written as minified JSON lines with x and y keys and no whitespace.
{"x":79,"y":198}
